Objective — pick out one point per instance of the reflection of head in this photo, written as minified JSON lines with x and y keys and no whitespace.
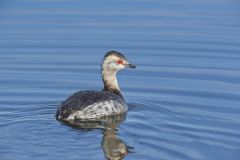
{"x":113,"y":147}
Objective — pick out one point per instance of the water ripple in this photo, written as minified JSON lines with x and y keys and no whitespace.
{"x":183,"y":97}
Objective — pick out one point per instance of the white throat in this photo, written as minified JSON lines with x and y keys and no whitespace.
{"x":110,"y":80}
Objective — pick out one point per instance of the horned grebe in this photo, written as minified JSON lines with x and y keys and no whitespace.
{"x":96,"y":104}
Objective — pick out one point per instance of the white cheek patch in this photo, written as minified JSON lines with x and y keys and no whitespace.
{"x":112,"y":65}
{"x":120,"y":66}
{"x":116,"y":66}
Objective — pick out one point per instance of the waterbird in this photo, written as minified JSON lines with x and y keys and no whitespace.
{"x":90,"y":104}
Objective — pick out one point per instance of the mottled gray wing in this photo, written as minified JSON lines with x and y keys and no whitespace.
{"x":80,"y":100}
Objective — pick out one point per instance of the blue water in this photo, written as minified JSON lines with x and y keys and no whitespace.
{"x":184,"y":97}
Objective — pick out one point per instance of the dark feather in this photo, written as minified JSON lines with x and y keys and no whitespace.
{"x":82,"y":99}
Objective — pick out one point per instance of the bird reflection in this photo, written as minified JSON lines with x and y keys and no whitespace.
{"x":113,"y":147}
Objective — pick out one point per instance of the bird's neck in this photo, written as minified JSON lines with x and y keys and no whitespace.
{"x":110,"y":80}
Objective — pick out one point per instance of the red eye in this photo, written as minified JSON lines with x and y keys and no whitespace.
{"x":119,"y":62}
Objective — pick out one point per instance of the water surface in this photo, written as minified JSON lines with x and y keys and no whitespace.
{"x":184,"y":97}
